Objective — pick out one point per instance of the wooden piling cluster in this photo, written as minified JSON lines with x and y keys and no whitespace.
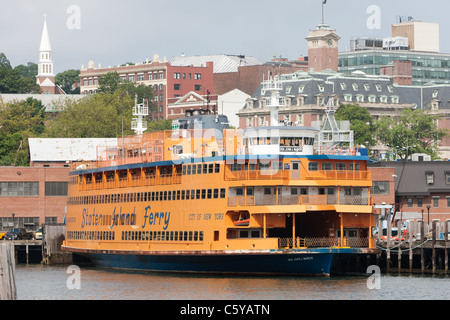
{"x":7,"y":272}
{"x":427,"y":254}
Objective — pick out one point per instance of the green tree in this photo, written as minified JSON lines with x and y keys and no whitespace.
{"x":361,"y":122}
{"x":11,"y":81}
{"x":67,"y":79}
{"x":29,"y":71}
{"x":95,"y":116}
{"x":18,"y":122}
{"x":413,"y":131}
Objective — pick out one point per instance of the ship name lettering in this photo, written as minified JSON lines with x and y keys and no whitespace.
{"x":123,"y":218}
{"x":218,"y":216}
{"x":157,"y":218}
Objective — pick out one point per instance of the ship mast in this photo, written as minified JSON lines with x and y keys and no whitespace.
{"x":275,"y":101}
{"x":138,"y":124}
{"x":333,"y":134}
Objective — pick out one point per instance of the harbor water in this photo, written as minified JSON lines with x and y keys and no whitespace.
{"x":38,"y":282}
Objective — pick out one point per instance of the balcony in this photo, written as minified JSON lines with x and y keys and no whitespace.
{"x":310,"y":200}
{"x":318,"y":242}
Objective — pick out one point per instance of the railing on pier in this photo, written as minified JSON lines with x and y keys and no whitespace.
{"x":324,"y":242}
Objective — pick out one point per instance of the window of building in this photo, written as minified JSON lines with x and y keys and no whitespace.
{"x":197,"y":76}
{"x":436,"y":202}
{"x":19,"y":189}
{"x":198,"y":87}
{"x":447,"y":178}
{"x":380,"y":187}
{"x":176,"y":86}
{"x":430,"y":178}
{"x":56,"y":188}
{"x":410,"y":202}
{"x":177,"y":75}
{"x":420,"y":202}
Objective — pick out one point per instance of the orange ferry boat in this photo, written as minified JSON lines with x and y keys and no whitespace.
{"x":205,"y":198}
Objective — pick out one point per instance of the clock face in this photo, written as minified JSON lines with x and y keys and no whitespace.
{"x":330,"y":42}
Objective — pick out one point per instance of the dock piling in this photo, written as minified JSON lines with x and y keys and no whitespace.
{"x":7,"y":272}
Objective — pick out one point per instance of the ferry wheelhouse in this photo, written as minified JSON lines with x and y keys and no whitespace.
{"x":205,"y":198}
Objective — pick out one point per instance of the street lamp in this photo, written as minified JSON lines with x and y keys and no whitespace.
{"x":428,"y":207}
{"x":422,"y":215}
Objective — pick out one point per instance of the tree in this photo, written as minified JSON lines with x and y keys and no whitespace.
{"x":19,"y":121}
{"x":12,"y":82}
{"x":95,"y":116}
{"x":414,"y":131}
{"x":67,"y":79}
{"x":361,"y":122}
{"x":30,"y":71}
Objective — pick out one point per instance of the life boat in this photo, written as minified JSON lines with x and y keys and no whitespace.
{"x":242,"y":223}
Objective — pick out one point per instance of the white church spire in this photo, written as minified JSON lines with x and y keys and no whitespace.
{"x":45,"y":53}
{"x":45,"y":39}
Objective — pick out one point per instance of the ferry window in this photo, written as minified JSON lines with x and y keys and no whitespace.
{"x":303,"y":191}
{"x":203,"y":193}
{"x":209,"y":193}
{"x":250,"y":191}
{"x":167,"y":235}
{"x":201,"y":236}
{"x":194,"y":169}
{"x":178,"y":194}
{"x":340,"y":166}
{"x":294,"y":191}
{"x":267,"y":191}
{"x":313,"y":166}
{"x":211,"y":168}
{"x":184,"y":170}
{"x":233,"y":167}
{"x":330,"y":191}
{"x":185,"y":235}
{"x":321,"y":191}
{"x":188,"y":169}
{"x":216,"y":193}
{"x":199,"y":169}
{"x":169,"y":195}
{"x":205,"y":169}
{"x":160,"y":195}
{"x":198,"y":194}
{"x":192,"y":194}
{"x":255,"y":233}
{"x":195,"y":235}
{"x":222,"y":193}
{"x":175,"y":238}
{"x":188,"y":196}
{"x":171,"y":235}
{"x":327,"y":166}
{"x":216,"y":235}
{"x":165,"y":195}
{"x":239,"y":191}
{"x":183,"y":194}
{"x":217,"y":168}
{"x":153,"y":196}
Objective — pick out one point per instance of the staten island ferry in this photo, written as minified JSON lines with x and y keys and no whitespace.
{"x":203,"y":198}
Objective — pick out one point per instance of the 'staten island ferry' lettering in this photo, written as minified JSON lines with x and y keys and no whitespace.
{"x":205,"y":198}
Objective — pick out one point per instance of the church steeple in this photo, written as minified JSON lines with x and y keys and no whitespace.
{"x":46,"y":77}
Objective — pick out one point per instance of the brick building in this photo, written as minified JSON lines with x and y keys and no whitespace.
{"x":167,"y":81}
{"x":37,"y":194}
{"x":421,"y":187}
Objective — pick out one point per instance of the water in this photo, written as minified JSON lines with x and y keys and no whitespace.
{"x":37,"y":282}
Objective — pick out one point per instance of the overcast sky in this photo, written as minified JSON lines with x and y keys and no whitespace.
{"x":113,"y":32}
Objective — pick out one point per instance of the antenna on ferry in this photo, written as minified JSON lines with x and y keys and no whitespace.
{"x":275,"y":101}
{"x":333,"y":134}
{"x":138,"y":124}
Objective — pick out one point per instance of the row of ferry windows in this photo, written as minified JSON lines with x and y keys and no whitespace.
{"x":194,"y":194}
{"x":201,"y":169}
{"x":162,"y":235}
{"x":90,"y":235}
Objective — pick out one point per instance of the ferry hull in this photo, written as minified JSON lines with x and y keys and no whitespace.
{"x":306,"y":263}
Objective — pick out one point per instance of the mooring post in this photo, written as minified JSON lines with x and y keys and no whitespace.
{"x":422,"y":237}
{"x":433,"y":252}
{"x":7,"y":272}
{"x":410,"y":249}
{"x":445,"y":246}
{"x":27,"y":251}
{"x":388,"y":240}
{"x":400,"y":236}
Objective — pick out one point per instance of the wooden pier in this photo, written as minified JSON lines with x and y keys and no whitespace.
{"x":423,"y":254}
